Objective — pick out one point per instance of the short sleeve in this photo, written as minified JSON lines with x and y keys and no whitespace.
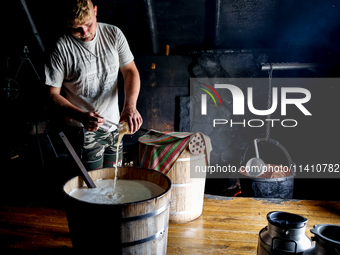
{"x":124,"y":52}
{"x":54,"y":70}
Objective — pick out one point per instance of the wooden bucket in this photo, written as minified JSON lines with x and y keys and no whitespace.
{"x":187,"y":194}
{"x":129,"y":228}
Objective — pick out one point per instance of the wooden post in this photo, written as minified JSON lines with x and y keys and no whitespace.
{"x":151,"y":19}
{"x":34,"y":29}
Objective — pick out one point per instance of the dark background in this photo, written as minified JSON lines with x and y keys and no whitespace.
{"x":207,"y":39}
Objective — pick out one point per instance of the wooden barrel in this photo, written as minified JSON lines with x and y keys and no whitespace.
{"x":128,"y":228}
{"x":187,"y":194}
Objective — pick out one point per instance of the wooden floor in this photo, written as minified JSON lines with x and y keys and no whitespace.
{"x":232,"y":225}
{"x":227,"y":226}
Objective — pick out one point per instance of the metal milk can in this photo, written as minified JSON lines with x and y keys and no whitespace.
{"x":327,"y":240}
{"x":285,"y":234}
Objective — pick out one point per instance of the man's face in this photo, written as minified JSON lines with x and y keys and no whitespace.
{"x":87,"y":30}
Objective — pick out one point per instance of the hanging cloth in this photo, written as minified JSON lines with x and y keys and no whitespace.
{"x":160,"y":150}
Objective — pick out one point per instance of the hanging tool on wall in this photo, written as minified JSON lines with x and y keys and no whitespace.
{"x":257,"y":163}
{"x":9,"y":88}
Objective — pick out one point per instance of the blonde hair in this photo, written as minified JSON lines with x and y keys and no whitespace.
{"x":78,"y":10}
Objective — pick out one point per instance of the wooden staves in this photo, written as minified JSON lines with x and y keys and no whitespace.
{"x":140,"y":226}
{"x":187,"y":193}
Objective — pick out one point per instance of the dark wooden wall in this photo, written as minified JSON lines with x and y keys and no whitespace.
{"x":234,"y":35}
{"x":194,"y":25}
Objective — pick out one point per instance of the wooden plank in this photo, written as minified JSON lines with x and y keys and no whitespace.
{"x":83,"y":172}
{"x":32,"y":230}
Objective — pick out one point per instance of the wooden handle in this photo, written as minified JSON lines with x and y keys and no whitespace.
{"x":167,"y":50}
{"x":84,"y":174}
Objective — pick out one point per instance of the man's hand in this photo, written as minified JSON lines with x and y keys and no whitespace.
{"x":92,"y":121}
{"x":133,"y":117}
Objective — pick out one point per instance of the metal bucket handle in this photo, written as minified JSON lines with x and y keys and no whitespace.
{"x":272,"y":141}
{"x":285,"y":240}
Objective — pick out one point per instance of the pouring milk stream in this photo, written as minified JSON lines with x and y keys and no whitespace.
{"x":123,"y":128}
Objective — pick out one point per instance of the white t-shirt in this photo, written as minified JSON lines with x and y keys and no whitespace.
{"x":88,"y":71}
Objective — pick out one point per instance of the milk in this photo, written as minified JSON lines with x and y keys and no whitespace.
{"x":126,"y":191}
{"x":115,"y":191}
{"x":122,"y":131}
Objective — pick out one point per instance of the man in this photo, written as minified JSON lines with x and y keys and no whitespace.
{"x":81,"y":72}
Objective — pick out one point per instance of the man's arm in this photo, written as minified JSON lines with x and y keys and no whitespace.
{"x":91,"y":120}
{"x":131,"y":89}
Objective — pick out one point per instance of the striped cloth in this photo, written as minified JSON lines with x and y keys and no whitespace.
{"x":159,"y":151}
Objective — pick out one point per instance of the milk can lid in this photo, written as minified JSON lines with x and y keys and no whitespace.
{"x":286,"y":220}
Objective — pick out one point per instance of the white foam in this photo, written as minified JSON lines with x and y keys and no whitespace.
{"x":126,"y":191}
